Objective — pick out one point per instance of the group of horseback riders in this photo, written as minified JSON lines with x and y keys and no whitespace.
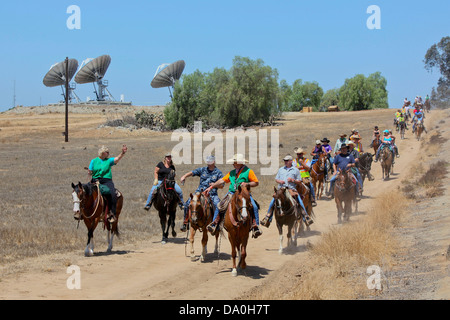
{"x":295,"y":170}
{"x":403,"y":114}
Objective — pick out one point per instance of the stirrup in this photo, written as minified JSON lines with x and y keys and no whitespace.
{"x":265,"y":222}
{"x":212,"y":228}
{"x":256,"y":232}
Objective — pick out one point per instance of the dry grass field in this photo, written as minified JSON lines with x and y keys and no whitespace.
{"x":37,"y":168}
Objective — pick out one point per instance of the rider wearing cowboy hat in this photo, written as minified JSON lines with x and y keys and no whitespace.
{"x":304,"y":166}
{"x":342,"y":161}
{"x":288,"y":176}
{"x":240,"y":176}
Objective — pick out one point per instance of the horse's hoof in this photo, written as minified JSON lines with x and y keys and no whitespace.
{"x":88,"y":253}
{"x":280,"y":251}
{"x":174,"y":234}
{"x":193,"y":258}
{"x":234,"y":272}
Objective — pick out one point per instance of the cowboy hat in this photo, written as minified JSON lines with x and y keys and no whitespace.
{"x":239,"y":158}
{"x":342,"y":135}
{"x":287,"y":157}
{"x":299,"y":150}
{"x":325,"y":140}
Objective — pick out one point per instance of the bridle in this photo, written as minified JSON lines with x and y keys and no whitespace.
{"x":279,"y":205}
{"x":82,"y":203}
{"x":344,"y":186}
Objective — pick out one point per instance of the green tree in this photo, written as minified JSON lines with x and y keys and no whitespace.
{"x":361,"y":93}
{"x":438,"y":56}
{"x":330,"y":98}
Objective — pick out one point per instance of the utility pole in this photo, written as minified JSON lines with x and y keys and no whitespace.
{"x":66,"y":133}
{"x":14,"y":95}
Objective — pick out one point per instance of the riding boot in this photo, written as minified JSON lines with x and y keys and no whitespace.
{"x":268,"y":218}
{"x":256,"y":232}
{"x":212,"y":227}
{"x":149,"y":205}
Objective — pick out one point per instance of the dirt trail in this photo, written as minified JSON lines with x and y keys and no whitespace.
{"x":150,"y":270}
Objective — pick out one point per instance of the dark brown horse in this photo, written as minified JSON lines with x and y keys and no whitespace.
{"x":286,"y":214}
{"x":386,"y":160}
{"x":365,"y":165}
{"x":318,"y":175}
{"x":201,"y":212}
{"x":93,"y":208}
{"x":166,"y":200}
{"x":402,"y":126}
{"x":345,"y":194}
{"x":238,"y":221}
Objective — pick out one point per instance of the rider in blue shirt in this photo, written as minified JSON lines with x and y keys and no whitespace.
{"x":418,"y":116}
{"x":208,"y":175}
{"x":342,"y":161}
{"x":287,"y":176}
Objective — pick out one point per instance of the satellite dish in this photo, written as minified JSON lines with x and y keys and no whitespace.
{"x":57,"y":74}
{"x":167,"y":74}
{"x":93,"y":70}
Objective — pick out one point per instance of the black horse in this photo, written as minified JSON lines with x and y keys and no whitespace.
{"x":364,"y":166}
{"x":166,"y":200}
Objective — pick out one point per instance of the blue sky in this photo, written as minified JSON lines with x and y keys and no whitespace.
{"x":324,"y":40}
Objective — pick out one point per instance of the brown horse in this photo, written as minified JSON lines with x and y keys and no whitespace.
{"x":419,"y":129}
{"x":285,"y":209}
{"x":93,"y":208}
{"x":386,"y":161}
{"x":376,"y":144}
{"x":345,"y":192}
{"x":238,"y":221}
{"x":201,"y":212}
{"x":304,"y":191}
{"x":166,"y":200}
{"x":318,"y":174}
{"x":427,"y":105}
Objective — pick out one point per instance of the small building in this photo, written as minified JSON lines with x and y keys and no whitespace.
{"x":333,"y":109}
{"x":307,"y":109}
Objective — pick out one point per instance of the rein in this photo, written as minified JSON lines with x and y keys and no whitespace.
{"x":98,"y":200}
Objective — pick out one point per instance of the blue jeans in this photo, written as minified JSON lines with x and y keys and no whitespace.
{"x":214,"y":199}
{"x":255,"y":209}
{"x":272,"y":202}
{"x":177,"y":189}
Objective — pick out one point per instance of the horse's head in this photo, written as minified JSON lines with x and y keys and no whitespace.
{"x":322,"y":161}
{"x":80,"y":195}
{"x":281,"y":200}
{"x":169,"y":184}
{"x":243,"y":203}
{"x":344,"y":179}
{"x":196,"y":210}
{"x":365,"y":162}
